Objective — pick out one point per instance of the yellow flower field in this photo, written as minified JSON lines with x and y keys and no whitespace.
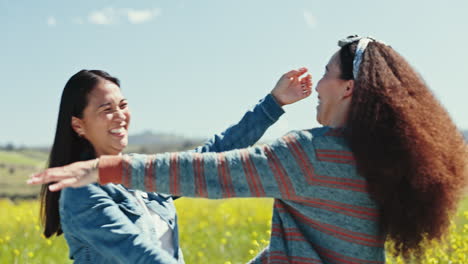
{"x":221,"y":231}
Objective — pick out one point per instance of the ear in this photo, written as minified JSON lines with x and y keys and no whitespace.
{"x":348,"y":91}
{"x":77,"y":125}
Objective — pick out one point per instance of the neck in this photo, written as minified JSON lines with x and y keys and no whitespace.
{"x":341,"y":115}
{"x":98,"y":155}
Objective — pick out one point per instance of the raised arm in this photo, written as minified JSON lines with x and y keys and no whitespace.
{"x":249,"y":130}
{"x":290,"y":88}
{"x":100,"y":222}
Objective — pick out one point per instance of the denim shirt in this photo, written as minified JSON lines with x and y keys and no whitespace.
{"x":106,"y":224}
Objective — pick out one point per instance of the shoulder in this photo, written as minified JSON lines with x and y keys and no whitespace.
{"x":86,"y":196}
{"x":325,"y":131}
{"x":319,"y":137}
{"x":80,"y":192}
{"x":307,"y":134}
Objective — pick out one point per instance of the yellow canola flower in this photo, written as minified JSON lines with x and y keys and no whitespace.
{"x":465,"y":228}
{"x":466,"y":214}
{"x":224,"y":241}
{"x":31,"y":254}
{"x":227,"y":262}
{"x":16,"y":252}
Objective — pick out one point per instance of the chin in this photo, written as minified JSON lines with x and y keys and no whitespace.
{"x":123,"y":143}
{"x":116,"y":150}
{"x":319,"y":120}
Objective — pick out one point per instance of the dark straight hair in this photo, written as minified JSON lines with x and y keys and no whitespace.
{"x":68,"y":146}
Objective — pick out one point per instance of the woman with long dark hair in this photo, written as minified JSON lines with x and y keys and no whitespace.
{"x":113,"y":224}
{"x":388,"y":164}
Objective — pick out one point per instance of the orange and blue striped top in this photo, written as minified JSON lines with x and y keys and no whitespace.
{"x":322,"y":210}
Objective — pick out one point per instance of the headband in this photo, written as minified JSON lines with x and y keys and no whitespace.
{"x":361,"y":47}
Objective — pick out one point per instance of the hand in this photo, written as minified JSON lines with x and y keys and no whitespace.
{"x":74,"y":175}
{"x":291,"y":87}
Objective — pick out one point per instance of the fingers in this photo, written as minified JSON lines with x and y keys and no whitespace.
{"x":307,"y":93}
{"x":49,"y":175}
{"x":306,"y":81}
{"x":306,"y":85}
{"x":39,"y":178}
{"x":70,"y":182}
{"x":295,"y":73}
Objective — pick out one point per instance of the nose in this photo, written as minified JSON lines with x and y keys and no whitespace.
{"x":120,"y":115}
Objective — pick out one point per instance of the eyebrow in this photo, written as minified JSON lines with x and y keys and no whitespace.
{"x":107,"y":104}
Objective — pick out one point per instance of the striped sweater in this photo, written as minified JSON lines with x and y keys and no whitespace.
{"x":322,"y":212}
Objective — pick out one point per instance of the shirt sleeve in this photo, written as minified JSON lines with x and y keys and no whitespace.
{"x":274,"y":170}
{"x":249,"y":130}
{"x":99,"y":221}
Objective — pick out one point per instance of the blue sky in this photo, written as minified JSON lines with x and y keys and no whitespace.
{"x":193,"y":67}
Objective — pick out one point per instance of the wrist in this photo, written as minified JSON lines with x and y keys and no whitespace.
{"x":95,"y":170}
{"x":277,"y":99}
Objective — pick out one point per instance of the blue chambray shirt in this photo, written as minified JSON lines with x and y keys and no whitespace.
{"x":106,"y":224}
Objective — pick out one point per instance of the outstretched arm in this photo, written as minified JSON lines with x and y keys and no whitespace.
{"x":275,"y":170}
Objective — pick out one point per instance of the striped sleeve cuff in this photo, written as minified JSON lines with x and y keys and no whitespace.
{"x":110,"y":169}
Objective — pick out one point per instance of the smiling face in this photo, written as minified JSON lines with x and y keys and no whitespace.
{"x":105,"y":119}
{"x":334,"y":95}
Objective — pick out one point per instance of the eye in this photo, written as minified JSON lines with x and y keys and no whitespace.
{"x":123,"y":105}
{"x":108,"y":110}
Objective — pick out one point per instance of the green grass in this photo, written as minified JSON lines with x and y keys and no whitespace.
{"x":23,"y":158}
{"x":15,"y":168}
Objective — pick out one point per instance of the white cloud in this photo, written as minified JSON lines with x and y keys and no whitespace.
{"x":109,"y":16}
{"x":310,"y":19}
{"x":105,"y":16}
{"x":51,"y":21}
{"x":142,"y":16}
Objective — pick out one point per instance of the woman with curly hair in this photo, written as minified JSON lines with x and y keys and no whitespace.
{"x":388,"y":165}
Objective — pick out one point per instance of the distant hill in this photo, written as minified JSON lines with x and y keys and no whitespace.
{"x":151,"y":142}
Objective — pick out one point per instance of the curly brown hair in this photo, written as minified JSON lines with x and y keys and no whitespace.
{"x":406,"y":146}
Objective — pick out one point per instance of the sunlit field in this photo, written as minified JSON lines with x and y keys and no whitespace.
{"x":221,"y":231}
